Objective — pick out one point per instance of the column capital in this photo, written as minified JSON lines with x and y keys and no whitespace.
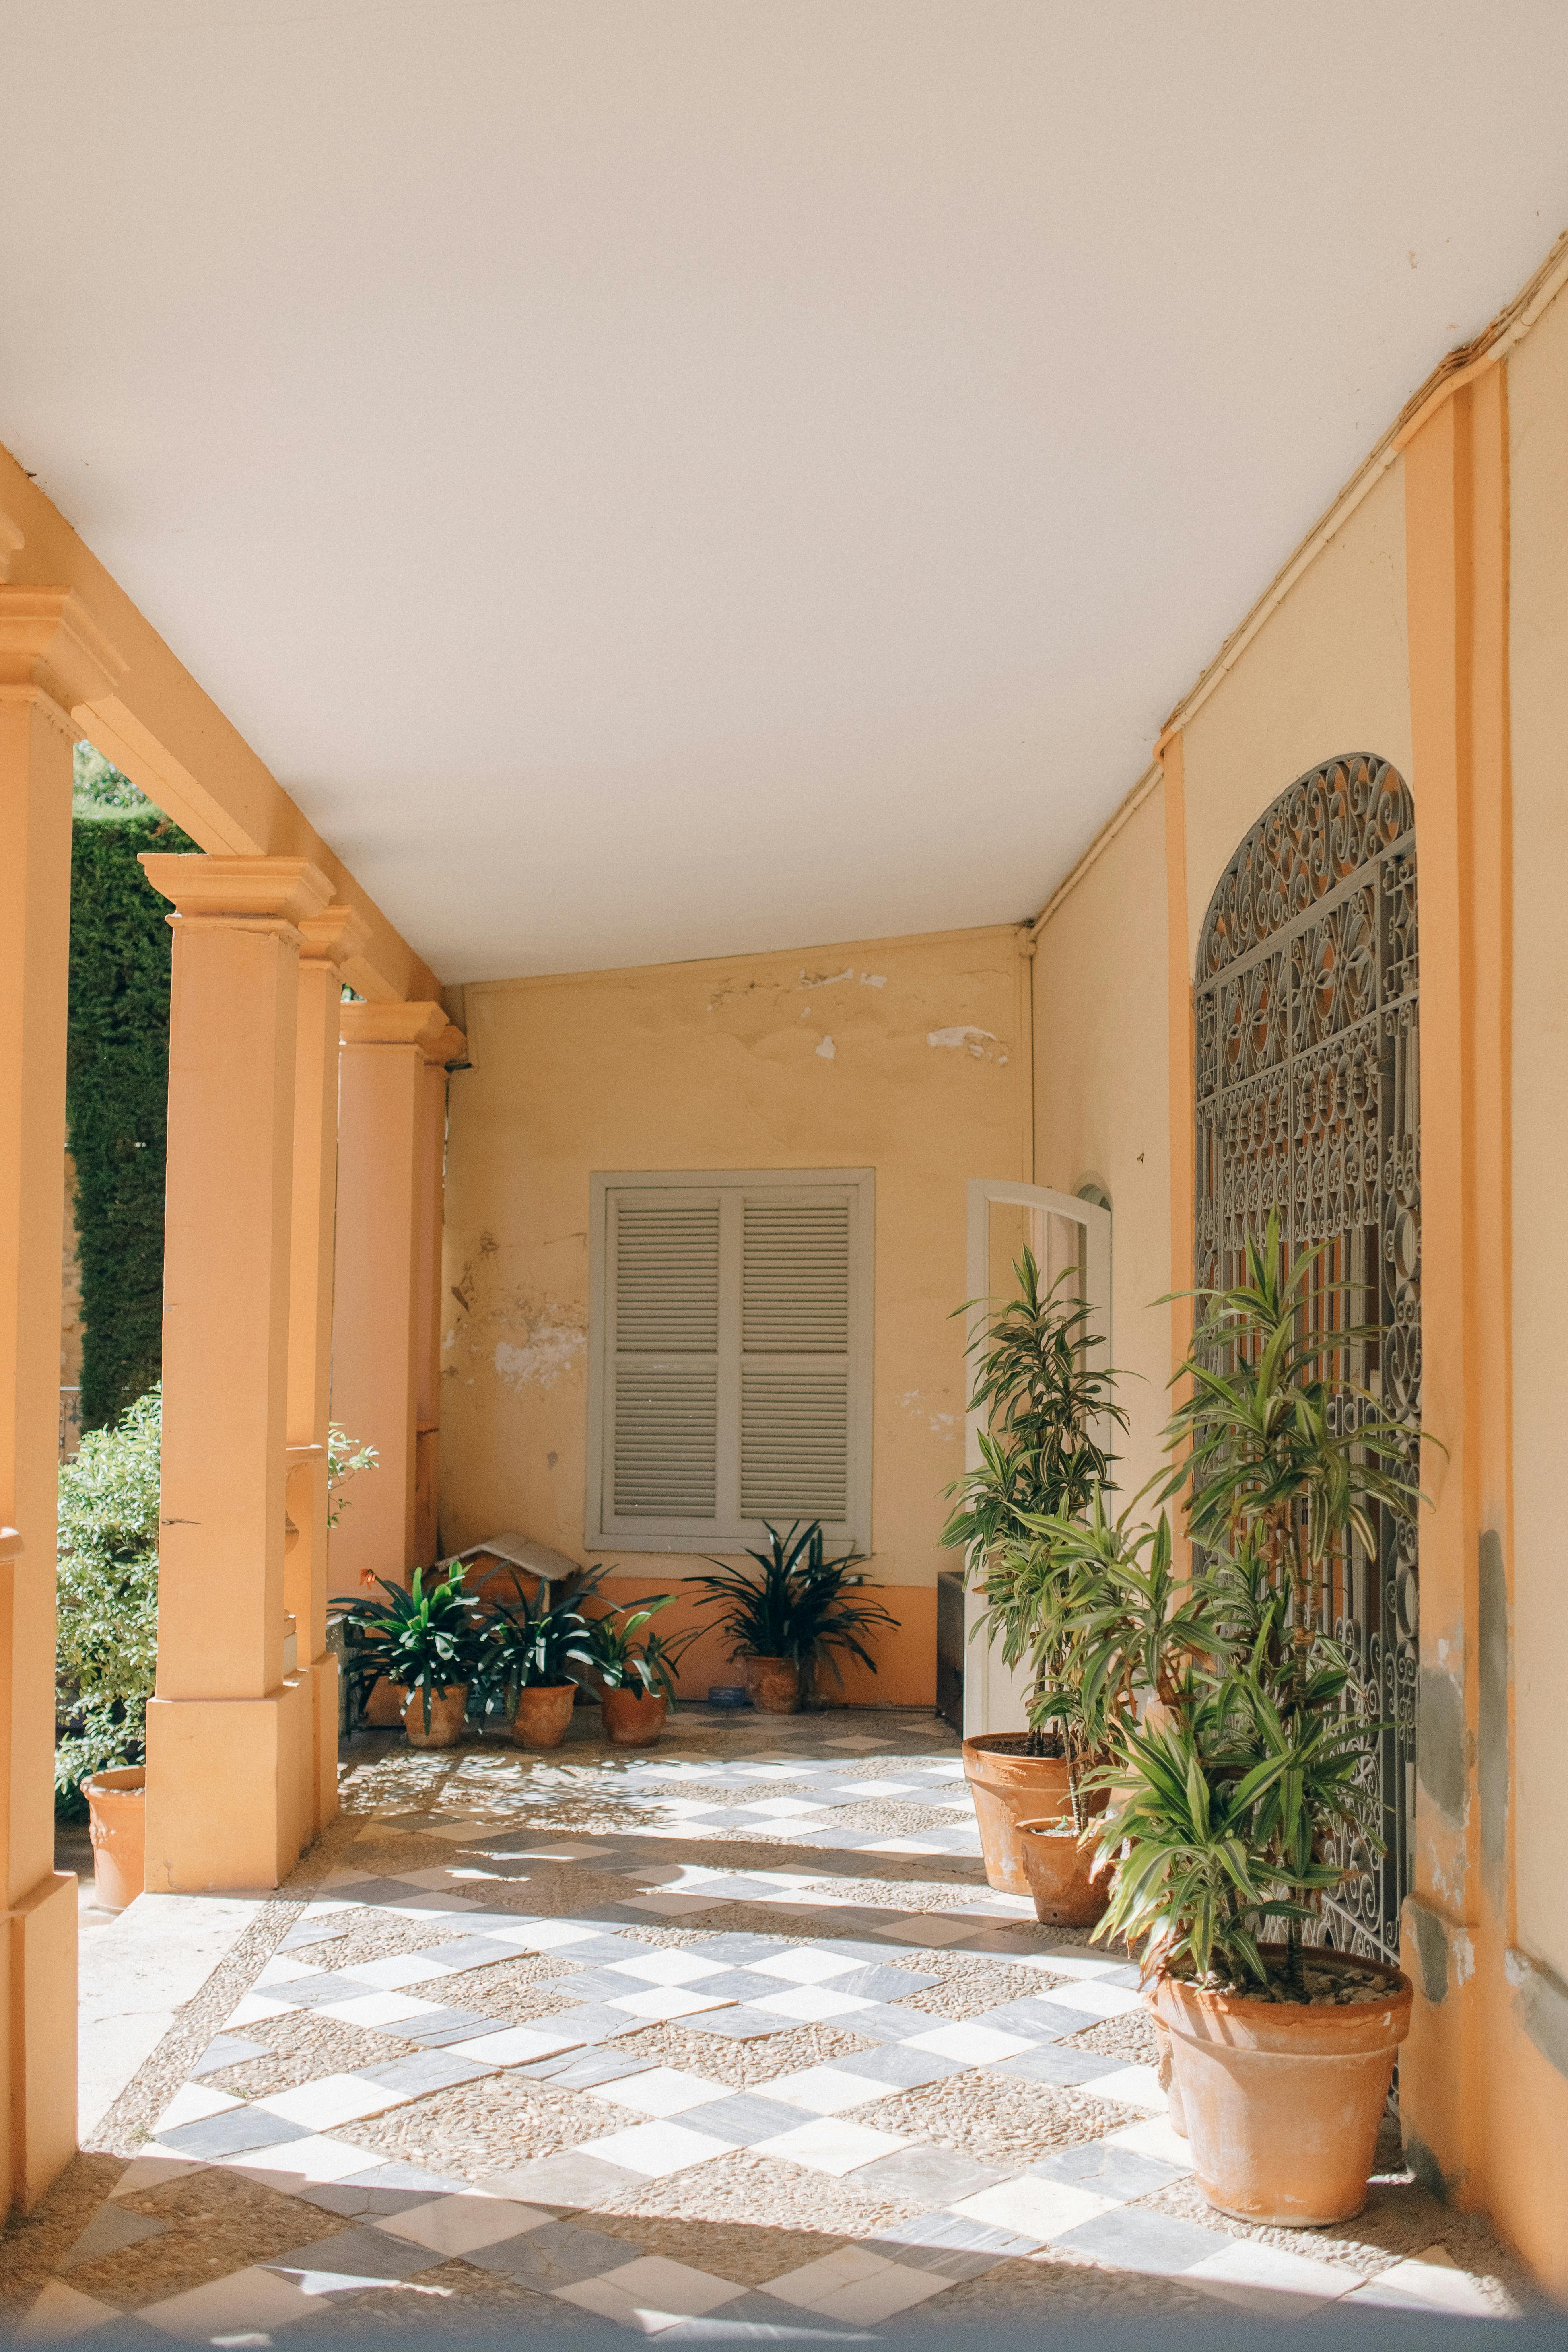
{"x":249,"y":892}
{"x":53,"y":651}
{"x":425,"y":1026}
{"x":336,"y":937}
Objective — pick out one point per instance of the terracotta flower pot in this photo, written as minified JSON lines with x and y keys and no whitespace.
{"x":1070,"y":1883}
{"x":1174,"y":2116}
{"x":774,"y":1684}
{"x":634,"y":1719}
{"x":543,"y":1712}
{"x":1009,"y":1787}
{"x":117,"y":1824}
{"x":1282,"y":2100}
{"x":448,"y":1709}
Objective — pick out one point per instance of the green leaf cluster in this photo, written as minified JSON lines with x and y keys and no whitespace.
{"x":794,"y":1605}
{"x":107,"y":1627}
{"x":530,"y":1644}
{"x":623,"y":1660}
{"x":428,"y":1638}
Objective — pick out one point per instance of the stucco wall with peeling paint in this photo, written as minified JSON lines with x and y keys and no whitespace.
{"x":910,"y":1056}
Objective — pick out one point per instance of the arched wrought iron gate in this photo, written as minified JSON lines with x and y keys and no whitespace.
{"x":1309,"y":1101}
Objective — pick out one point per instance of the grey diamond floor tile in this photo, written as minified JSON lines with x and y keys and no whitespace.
{"x":1110,"y":2170}
{"x":925,"y":2236}
{"x":595,"y":2022}
{"x":886,"y":2022}
{"x":932,"y":2177}
{"x":233,"y":2132}
{"x":739,"y":2024}
{"x":1134,"y":2240}
{"x":568,"y":2178}
{"x":745,"y":2118}
{"x":445,"y":2025}
{"x":363,"y":2252}
{"x":470,"y":1952}
{"x":580,"y":2069}
{"x":894,"y":2063}
{"x":559,"y":2253}
{"x":761,"y":2319}
{"x":1054,"y":2064}
{"x":1042,"y":2020}
{"x":422,"y":2072}
{"x":111,"y":2228}
{"x":227,"y":2050}
{"x":882,"y":1983}
{"x":739,"y":1949}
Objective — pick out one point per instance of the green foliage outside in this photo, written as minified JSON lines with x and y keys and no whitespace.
{"x":108,"y":1598}
{"x":116,"y":1082}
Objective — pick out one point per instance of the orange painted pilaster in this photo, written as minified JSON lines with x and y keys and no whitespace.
{"x":229,"y":1731}
{"x":51,"y":657}
{"x":330,"y":941}
{"x":428,"y":1335}
{"x":384,"y":1202}
{"x":1456,"y":1926}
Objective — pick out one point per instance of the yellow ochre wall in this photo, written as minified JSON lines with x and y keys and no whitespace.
{"x":909,"y":1056}
{"x":1431,"y":628}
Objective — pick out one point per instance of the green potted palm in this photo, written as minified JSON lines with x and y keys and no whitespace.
{"x":792,"y":1614}
{"x":1239,"y":1797}
{"x":426,"y":1641}
{"x":635,"y":1671}
{"x":528,"y":1652}
{"x":1046,"y":1408}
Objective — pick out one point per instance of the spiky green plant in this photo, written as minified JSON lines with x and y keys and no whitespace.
{"x":426,"y":1638}
{"x":794,"y":1606}
{"x":626,"y":1657}
{"x":531,"y":1643}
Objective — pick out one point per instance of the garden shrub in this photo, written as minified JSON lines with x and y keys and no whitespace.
{"x":107,"y":1641}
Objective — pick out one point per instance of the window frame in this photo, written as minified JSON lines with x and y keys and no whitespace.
{"x":601,"y":1531}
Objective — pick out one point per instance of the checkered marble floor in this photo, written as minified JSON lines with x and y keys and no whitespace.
{"x":705,"y":2041}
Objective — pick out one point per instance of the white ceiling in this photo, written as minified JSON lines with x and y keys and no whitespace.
{"x":660,"y":477}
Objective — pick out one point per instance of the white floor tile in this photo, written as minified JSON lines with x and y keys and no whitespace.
{"x":934,"y":1929}
{"x":671,"y":1967}
{"x":809,"y":2002}
{"x":282,"y":1968}
{"x":899,"y":1845}
{"x":1035,"y":2208}
{"x":972,"y":2045}
{"x":826,"y":2090}
{"x":254,"y":2008}
{"x":828,"y":2144}
{"x":1091,"y":1997}
{"x":651,"y":2293}
{"x":60,"y":2312}
{"x":461,"y":2223}
{"x":655,"y":2150}
{"x":782,"y":1809}
{"x":331,"y":2100}
{"x":401,"y":1969}
{"x":1130,"y":2086}
{"x":804,"y":1964}
{"x":302,"y":2163}
{"x":807,"y":2286}
{"x":543,"y":1935}
{"x":191,"y":2104}
{"x":669,"y":2001}
{"x":1432,"y":2277}
{"x":661,"y":2091}
{"x":1253,"y":2274}
{"x":153,"y":2168}
{"x":1155,"y":2136}
{"x":897,"y":2288}
{"x":249,"y":2302}
{"x":378,"y":2007}
{"x":515,"y":2045}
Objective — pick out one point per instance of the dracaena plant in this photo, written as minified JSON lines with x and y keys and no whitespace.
{"x":1048,"y":1409}
{"x":1234,"y":1796}
{"x":427,"y":1638}
{"x":628,"y":1657}
{"x":530,"y":1645}
{"x":793,"y":1603}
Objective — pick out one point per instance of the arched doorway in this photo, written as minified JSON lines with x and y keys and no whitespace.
{"x":1309,"y":1102}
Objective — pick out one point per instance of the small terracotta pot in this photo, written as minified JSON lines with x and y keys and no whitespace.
{"x":543,"y":1712}
{"x":1070,"y":1883}
{"x":117,"y":1824}
{"x":633,"y":1718}
{"x":1009,"y":1788}
{"x":1282,"y":2101}
{"x":448,"y":1709}
{"x":774,"y":1684}
{"x":1167,"y":2073}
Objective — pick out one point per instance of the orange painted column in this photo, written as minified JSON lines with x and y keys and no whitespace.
{"x":1458,"y":1921}
{"x":388,"y":1199}
{"x":427,"y":1334}
{"x":329,"y":940}
{"x":228,"y":1730}
{"x":51,"y":658}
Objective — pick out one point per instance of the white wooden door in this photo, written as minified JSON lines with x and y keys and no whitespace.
{"x":1062,"y":1231}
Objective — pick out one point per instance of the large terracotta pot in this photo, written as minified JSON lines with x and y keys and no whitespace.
{"x":1070,"y":1883}
{"x":448,"y":1709}
{"x":117,"y":1824}
{"x":1282,"y":2100}
{"x":631,"y":1717}
{"x":1009,"y":1787}
{"x":1174,"y":2116}
{"x":774,"y":1684}
{"x":543,"y":1712}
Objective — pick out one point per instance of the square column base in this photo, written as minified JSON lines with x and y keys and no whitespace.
{"x":41,"y":1955}
{"x":224,"y":1795}
{"x":323,"y":1679}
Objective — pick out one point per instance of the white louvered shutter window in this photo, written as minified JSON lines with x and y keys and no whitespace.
{"x":732,"y":1358}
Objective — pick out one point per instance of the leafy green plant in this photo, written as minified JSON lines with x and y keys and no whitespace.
{"x":1236,"y":1793}
{"x":532,"y":1644}
{"x":346,"y":1459}
{"x":621,"y":1661}
{"x":426,"y":1638}
{"x":106,"y":1631}
{"x":794,"y":1605}
{"x":1042,"y":1460}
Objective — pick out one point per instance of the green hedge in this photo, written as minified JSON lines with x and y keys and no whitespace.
{"x":117,"y":1088}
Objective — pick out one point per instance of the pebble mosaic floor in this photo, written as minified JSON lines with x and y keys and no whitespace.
{"x":711,"y":2041}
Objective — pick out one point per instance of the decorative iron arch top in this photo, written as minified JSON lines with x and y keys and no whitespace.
{"x":1321,"y":828}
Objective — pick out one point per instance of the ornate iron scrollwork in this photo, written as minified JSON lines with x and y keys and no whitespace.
{"x":1309,"y":1101}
